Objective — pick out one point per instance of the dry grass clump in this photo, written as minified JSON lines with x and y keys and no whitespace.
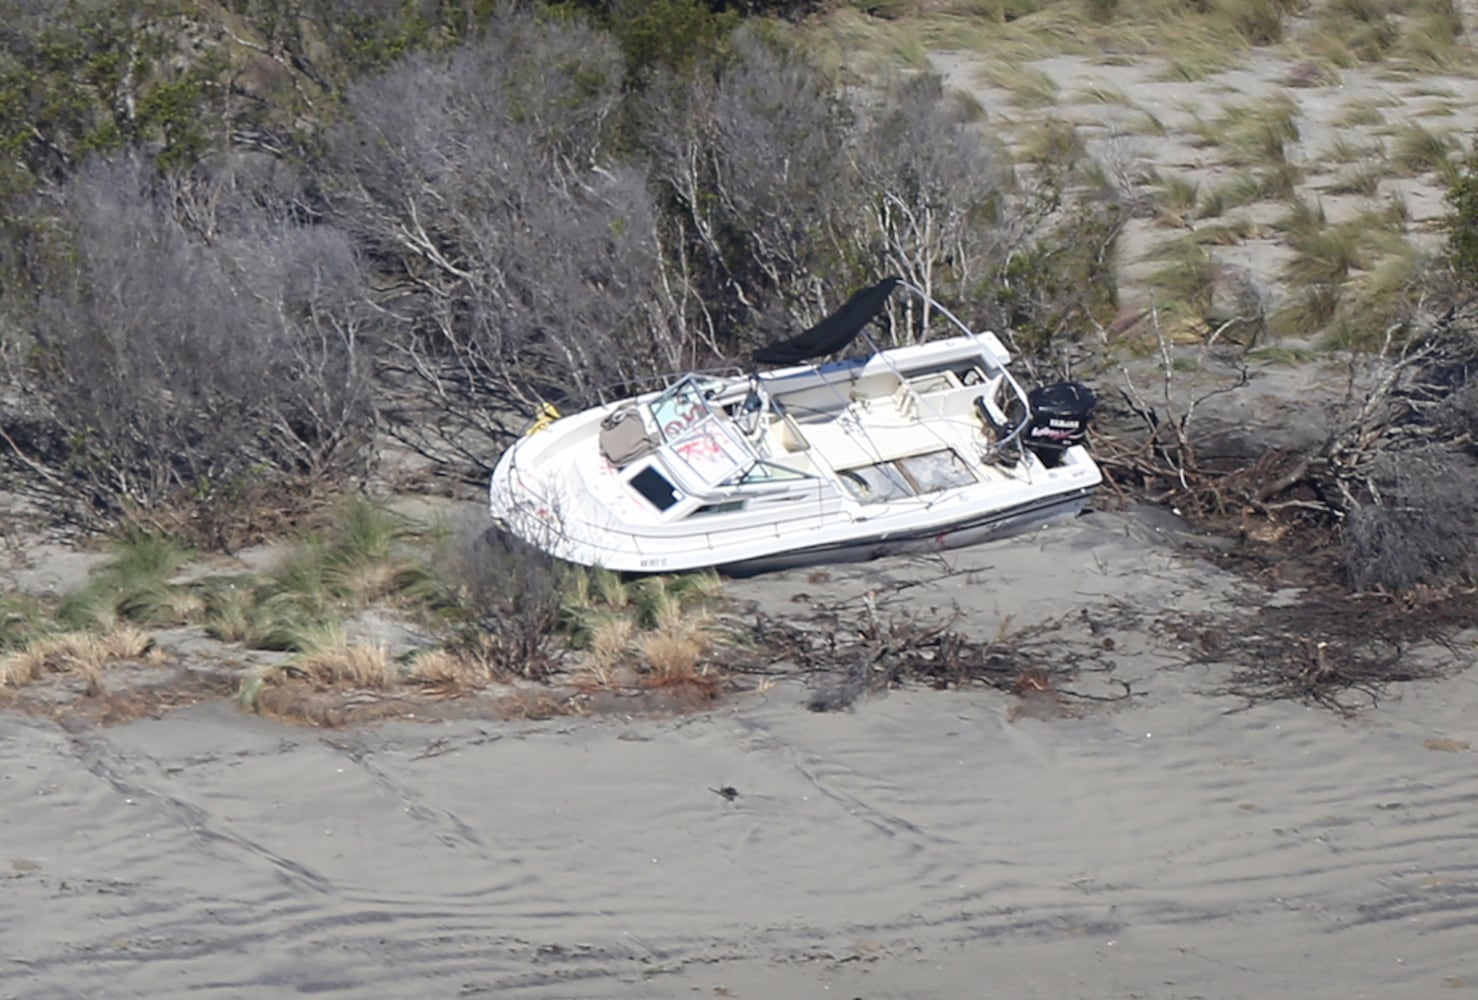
{"x":332,"y":659}
{"x":84,"y":653}
{"x":325,"y":685}
{"x":657,"y":631}
{"x":450,"y":670}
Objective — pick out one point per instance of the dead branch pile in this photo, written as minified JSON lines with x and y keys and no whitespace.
{"x":1332,"y":650}
{"x":877,"y":651}
{"x":1389,"y":490}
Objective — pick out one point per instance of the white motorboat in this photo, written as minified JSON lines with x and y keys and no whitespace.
{"x":915,"y":448}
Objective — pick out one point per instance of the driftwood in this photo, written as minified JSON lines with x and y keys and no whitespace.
{"x":1405,"y":426}
{"x":852,"y":652}
{"x":1335,"y":650}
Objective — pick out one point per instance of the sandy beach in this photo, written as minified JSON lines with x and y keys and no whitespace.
{"x":922,"y":844}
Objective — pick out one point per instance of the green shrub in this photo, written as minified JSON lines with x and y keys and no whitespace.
{"x":1462,"y":224}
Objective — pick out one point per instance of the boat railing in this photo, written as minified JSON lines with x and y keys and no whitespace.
{"x":612,"y":392}
{"x":1008,"y":435}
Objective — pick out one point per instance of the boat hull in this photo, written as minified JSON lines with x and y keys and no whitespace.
{"x":979,"y":528}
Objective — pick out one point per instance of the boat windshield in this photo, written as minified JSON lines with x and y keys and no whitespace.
{"x":708,"y":453}
{"x":681,"y":406}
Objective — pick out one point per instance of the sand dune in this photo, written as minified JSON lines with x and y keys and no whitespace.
{"x":920,"y":845}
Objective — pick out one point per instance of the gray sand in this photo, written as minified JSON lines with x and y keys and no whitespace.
{"x":924,"y":844}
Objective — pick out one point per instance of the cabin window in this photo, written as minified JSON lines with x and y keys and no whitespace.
{"x":723,"y":507}
{"x":657,"y":489}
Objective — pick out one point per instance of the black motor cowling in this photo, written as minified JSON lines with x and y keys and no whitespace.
{"x":1060,"y":415}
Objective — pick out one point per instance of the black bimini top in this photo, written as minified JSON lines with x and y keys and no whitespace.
{"x":834,"y":332}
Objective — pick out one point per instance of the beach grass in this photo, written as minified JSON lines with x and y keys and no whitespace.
{"x":78,"y":652}
{"x":1417,"y":149}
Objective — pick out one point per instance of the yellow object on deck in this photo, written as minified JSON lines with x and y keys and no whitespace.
{"x":546,"y":416}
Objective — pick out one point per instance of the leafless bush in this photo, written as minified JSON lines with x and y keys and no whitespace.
{"x":511,"y":594}
{"x":520,"y":259}
{"x":153,"y":368}
{"x":935,"y":191}
{"x":1421,"y":524}
{"x":754,"y":162}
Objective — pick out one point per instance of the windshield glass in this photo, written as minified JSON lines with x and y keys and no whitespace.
{"x":679,"y":408}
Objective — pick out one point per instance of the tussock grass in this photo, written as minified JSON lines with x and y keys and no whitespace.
{"x":1228,"y":233}
{"x":1177,"y":200}
{"x":1364,"y":29}
{"x":1150,"y":123}
{"x":854,"y":41}
{"x":1244,"y":188}
{"x":1417,"y":149}
{"x":1052,"y":142}
{"x":1194,"y":60}
{"x":1346,"y":150}
{"x":1325,"y":256}
{"x":229,"y":603}
{"x":1431,"y":36}
{"x":331,"y":659}
{"x":1046,"y":29}
{"x":1362,"y":180}
{"x":1102,"y":93}
{"x":85,"y":653}
{"x":1027,"y":86}
{"x":23,"y":619}
{"x":1257,"y":22}
{"x":1365,"y":112}
{"x":1254,"y":133}
{"x":1308,"y":311}
{"x":1186,"y":278}
{"x":133,"y":585}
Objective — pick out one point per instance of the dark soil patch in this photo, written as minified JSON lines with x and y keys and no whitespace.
{"x":125,"y":697}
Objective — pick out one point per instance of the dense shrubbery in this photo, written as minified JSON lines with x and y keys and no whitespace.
{"x":238,"y":248}
{"x":150,"y":367}
{"x":464,"y":210}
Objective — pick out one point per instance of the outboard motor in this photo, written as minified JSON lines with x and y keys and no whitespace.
{"x":1060,"y":414}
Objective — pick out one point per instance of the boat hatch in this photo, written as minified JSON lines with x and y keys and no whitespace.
{"x":657,"y":488}
{"x":913,"y":475}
